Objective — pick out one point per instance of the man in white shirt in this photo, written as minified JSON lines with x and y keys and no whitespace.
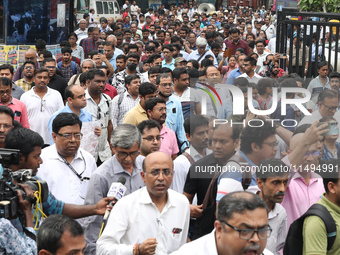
{"x":201,"y":52}
{"x":81,"y":32}
{"x":268,"y":28}
{"x":67,"y":168}
{"x":196,"y":129}
{"x":41,"y":102}
{"x":260,"y":44}
{"x":249,"y":66}
{"x":236,"y":211}
{"x":153,"y":219}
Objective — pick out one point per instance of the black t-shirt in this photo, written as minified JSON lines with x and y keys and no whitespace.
{"x":199,"y":186}
{"x":58,"y":83}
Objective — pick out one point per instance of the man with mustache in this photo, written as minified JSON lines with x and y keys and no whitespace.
{"x":156,"y":110}
{"x":273,"y":185}
{"x":241,"y":228}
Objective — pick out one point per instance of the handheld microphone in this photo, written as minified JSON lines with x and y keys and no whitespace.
{"x":117,"y":191}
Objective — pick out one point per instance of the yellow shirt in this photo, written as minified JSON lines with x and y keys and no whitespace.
{"x":135,"y":116}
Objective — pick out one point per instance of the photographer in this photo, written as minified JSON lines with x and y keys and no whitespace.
{"x":29,"y":143}
{"x":11,"y":241}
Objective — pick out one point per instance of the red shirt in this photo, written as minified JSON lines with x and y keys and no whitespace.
{"x":110,"y":91}
{"x":240,"y":44}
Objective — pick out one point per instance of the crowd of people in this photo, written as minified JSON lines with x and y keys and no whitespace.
{"x":168,"y":98}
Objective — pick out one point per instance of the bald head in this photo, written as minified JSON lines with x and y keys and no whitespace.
{"x":31,"y":54}
{"x":157,"y":157}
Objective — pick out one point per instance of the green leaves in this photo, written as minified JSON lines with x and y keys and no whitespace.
{"x":318,"y":5}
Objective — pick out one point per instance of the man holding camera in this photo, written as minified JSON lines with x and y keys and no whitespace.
{"x":30,"y":143}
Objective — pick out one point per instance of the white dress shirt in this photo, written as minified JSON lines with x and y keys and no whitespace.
{"x":181,"y":168}
{"x":40,"y":110}
{"x":136,"y":218}
{"x":64,"y":184}
{"x":195,"y":55}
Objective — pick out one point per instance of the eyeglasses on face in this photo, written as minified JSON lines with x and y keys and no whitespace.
{"x":273,"y":145}
{"x":247,"y":234}
{"x":313,"y":153}
{"x":331,"y":109}
{"x":124,"y":155}
{"x":157,"y":172}
{"x":153,"y":138}
{"x":67,"y":136}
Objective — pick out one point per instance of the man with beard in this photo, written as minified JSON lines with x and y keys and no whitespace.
{"x":18,"y":107}
{"x":67,"y":67}
{"x":273,"y":186}
{"x":156,"y":110}
{"x":196,"y":130}
{"x":150,"y":130}
{"x":41,"y":102}
{"x":27,"y":82}
{"x":174,"y":116}
{"x":236,"y":42}
{"x":56,"y":82}
{"x":118,"y":81}
{"x":225,"y":140}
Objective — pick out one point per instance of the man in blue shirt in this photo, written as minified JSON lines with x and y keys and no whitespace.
{"x":76,"y":101}
{"x":168,"y":61}
{"x":111,"y":54}
{"x":238,"y":71}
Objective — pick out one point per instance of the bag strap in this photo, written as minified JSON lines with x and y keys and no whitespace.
{"x":322,"y":212}
{"x":198,"y":60}
{"x":120,"y":100}
{"x":75,"y":79}
{"x":246,"y":175}
{"x":188,"y":156}
{"x":209,"y":195}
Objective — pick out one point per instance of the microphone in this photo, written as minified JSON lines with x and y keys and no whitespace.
{"x":117,"y":191}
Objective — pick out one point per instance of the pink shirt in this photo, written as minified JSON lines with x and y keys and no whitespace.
{"x":300,"y":196}
{"x":169,"y":141}
{"x":20,"y":112}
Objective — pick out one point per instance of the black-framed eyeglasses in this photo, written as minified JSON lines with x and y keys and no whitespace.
{"x":247,"y":234}
{"x":273,"y":145}
{"x":153,"y":138}
{"x":124,"y":155}
{"x":331,"y":109}
{"x":67,"y":136}
{"x":157,"y":172}
{"x":99,"y":116}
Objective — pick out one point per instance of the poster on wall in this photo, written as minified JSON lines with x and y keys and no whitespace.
{"x":2,"y":55}
{"x":11,"y":55}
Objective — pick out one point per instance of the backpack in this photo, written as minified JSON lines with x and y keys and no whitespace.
{"x":294,"y":240}
{"x":73,"y":66}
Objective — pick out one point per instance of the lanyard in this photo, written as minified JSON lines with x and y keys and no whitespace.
{"x":72,"y":168}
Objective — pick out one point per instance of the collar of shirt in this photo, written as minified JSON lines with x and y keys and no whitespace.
{"x":186,"y":93}
{"x":172,"y":62}
{"x":331,"y":205}
{"x":194,"y":153}
{"x":327,"y":83}
{"x":88,"y":97}
{"x":246,"y":158}
{"x":146,"y":199}
{"x":55,"y":155}
{"x":140,"y":108}
{"x":164,"y":130}
{"x":68,"y":109}
{"x":32,"y":92}
{"x":275,"y":212}
{"x":119,"y":168}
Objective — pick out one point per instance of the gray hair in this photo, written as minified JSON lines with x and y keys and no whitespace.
{"x":125,"y":136}
{"x":238,"y":202}
{"x":88,"y":59}
{"x":112,"y":36}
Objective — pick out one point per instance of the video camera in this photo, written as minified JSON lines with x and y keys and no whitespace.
{"x":9,"y":202}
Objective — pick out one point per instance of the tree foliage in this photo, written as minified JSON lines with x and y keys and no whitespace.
{"x":320,"y":5}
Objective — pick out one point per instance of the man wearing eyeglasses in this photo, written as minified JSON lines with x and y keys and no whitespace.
{"x":30,"y":54}
{"x":41,"y":102}
{"x":150,"y":130}
{"x":241,"y":228}
{"x":56,"y":82}
{"x":153,"y":219}
{"x":328,"y":105}
{"x":67,"y":168}
{"x":127,"y":163}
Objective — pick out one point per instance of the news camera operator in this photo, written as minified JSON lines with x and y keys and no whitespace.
{"x":30,"y":143}
{"x":11,"y":241}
